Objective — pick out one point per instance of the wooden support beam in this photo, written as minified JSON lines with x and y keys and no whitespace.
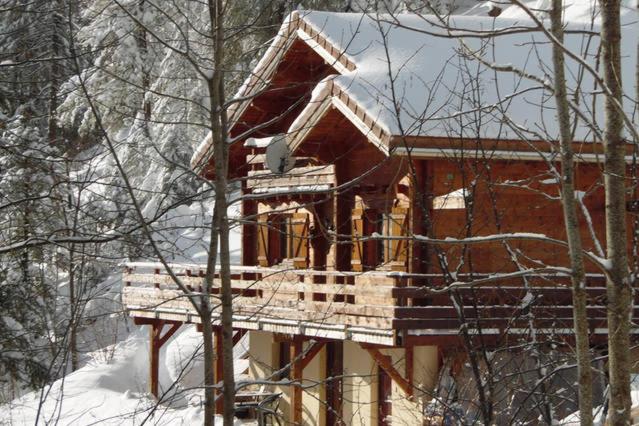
{"x":238,"y":335}
{"x":157,"y":340}
{"x":384,"y":363}
{"x":296,"y":377}
{"x":310,"y":354}
{"x":154,"y":351}
{"x":334,"y":389}
{"x":219,"y":370}
{"x":170,"y":332}
{"x":409,"y":363}
{"x":151,"y":321}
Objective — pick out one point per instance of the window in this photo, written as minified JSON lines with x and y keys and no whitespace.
{"x":281,"y":226}
{"x":283,"y":237}
{"x":370,"y":254}
{"x":375,"y":223}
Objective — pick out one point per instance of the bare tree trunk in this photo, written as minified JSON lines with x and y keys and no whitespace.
{"x":142,"y":44}
{"x":207,"y":328}
{"x":572,"y":222}
{"x":220,"y":219}
{"x":619,"y":290}
{"x":209,"y":359}
{"x":73,"y":314}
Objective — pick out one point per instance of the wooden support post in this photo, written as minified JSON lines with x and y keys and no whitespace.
{"x":296,"y":377}
{"x":219,"y":371}
{"x":409,"y":363}
{"x":154,"y":351}
{"x":385,"y":364}
{"x":249,"y":229}
{"x":440,"y":358}
{"x":334,"y":388}
{"x":157,"y":340}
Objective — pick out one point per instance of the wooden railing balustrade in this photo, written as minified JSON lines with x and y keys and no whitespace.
{"x":376,"y":300}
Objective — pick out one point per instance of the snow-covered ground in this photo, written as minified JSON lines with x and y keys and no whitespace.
{"x":598,"y":412}
{"x":112,"y":386}
{"x":115,"y":392}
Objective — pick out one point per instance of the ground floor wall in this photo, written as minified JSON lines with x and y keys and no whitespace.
{"x":367,"y":392}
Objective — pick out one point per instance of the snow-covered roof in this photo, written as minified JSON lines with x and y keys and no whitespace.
{"x":411,"y":75}
{"x":415,"y":77}
{"x":258,"y":142}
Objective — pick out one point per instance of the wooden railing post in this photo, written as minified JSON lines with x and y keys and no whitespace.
{"x":157,"y":283}
{"x":188,"y":274}
{"x":128,"y":270}
{"x":400,"y":281}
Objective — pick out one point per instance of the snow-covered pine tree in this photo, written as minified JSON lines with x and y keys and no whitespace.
{"x":33,"y":58}
{"x":27,"y":285}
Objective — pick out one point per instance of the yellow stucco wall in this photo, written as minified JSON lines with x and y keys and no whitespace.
{"x":264,"y":360}
{"x":360,"y":386}
{"x":314,"y":395}
{"x":262,"y":354}
{"x":407,"y":411}
{"x":360,"y":400}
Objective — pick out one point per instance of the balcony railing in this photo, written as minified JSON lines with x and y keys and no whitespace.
{"x":376,"y":306}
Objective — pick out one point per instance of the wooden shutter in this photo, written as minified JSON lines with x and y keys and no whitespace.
{"x":300,"y":235}
{"x":398,"y":228}
{"x":262,"y":240}
{"x":357,"y":232}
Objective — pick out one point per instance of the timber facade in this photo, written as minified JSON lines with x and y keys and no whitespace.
{"x":379,"y":257}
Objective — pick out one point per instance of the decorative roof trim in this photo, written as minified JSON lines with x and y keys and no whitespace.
{"x":333,"y":96}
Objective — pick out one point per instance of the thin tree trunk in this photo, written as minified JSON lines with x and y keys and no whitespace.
{"x":572,"y":223}
{"x":619,"y":291}
{"x":141,"y":41}
{"x":73,"y":332}
{"x":209,"y":360}
{"x":221,"y":223}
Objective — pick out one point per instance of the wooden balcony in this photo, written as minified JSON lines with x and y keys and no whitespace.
{"x":299,"y":179}
{"x":388,"y":308}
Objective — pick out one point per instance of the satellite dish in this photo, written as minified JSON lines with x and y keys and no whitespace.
{"x":278,"y":156}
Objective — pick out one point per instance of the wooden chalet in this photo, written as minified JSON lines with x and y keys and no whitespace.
{"x":416,"y":211}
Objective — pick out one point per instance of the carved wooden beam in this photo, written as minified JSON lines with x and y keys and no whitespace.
{"x":238,"y":335}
